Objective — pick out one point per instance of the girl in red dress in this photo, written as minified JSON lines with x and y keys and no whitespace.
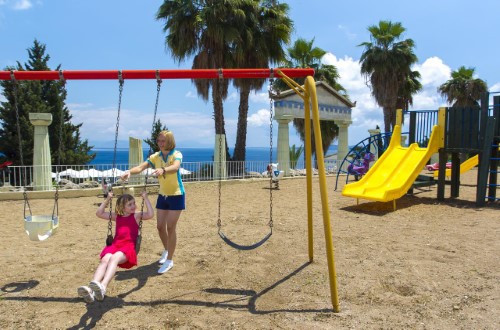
{"x":121,"y":253}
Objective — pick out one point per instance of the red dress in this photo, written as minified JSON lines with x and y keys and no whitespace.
{"x":127,"y":230}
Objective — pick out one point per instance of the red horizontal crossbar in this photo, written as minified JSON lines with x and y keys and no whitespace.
{"x":151,"y":74}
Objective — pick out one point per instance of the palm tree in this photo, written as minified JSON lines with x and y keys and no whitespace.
{"x":303,"y":55}
{"x":267,"y":28}
{"x":295,"y":155}
{"x":462,"y":90}
{"x":386,"y":62}
{"x":329,"y":132}
{"x":207,"y":30}
{"x":406,"y":91}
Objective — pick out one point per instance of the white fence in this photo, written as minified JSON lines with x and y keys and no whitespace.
{"x":89,"y":176}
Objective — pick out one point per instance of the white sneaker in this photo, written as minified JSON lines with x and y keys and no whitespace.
{"x":99,"y":291}
{"x":163,"y":258}
{"x":166,"y":266}
{"x":86,"y":293}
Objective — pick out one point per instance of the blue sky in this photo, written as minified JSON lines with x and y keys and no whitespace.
{"x":114,"y":35}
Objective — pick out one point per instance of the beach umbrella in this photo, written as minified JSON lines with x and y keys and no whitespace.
{"x":114,"y":172}
{"x":93,"y":173}
{"x":69,"y":172}
{"x":83,"y":174}
{"x":149,"y":171}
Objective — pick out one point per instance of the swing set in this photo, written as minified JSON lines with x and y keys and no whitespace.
{"x":307,"y":92}
{"x":109,"y":237}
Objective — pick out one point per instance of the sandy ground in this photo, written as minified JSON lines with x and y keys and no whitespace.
{"x":428,"y":265}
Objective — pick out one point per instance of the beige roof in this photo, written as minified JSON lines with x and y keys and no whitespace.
{"x":319,"y":84}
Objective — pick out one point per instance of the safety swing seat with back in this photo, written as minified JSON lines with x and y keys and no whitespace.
{"x":223,"y":236}
{"x":109,"y":236}
{"x":37,"y":227}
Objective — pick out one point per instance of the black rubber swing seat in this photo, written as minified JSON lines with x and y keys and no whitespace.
{"x":244,"y":247}
{"x":221,"y":234}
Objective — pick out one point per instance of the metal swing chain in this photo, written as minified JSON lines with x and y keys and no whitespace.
{"x":55,"y":210}
{"x":110,"y":224}
{"x":270,"y":223}
{"x":15,"y":91}
{"x":219,"y":222}
{"x":61,"y":126}
{"x":158,"y":88}
{"x":271,"y":151}
{"x":18,"y":124}
{"x":117,"y":119}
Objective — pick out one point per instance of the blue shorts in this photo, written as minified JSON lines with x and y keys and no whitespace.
{"x":177,"y":202}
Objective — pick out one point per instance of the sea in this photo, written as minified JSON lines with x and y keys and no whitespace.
{"x":104,"y":156}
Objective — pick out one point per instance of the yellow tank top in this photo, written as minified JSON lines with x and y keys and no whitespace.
{"x":170,"y":183}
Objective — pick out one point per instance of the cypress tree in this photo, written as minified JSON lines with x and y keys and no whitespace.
{"x":45,"y":96}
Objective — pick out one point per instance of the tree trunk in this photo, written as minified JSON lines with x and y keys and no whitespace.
{"x":387,"y":124}
{"x":219,"y":112}
{"x":241,"y":134}
{"x":218,"y":108}
{"x":387,"y":119}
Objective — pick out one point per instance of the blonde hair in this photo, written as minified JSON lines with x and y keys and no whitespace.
{"x":121,"y":202}
{"x":170,"y":140}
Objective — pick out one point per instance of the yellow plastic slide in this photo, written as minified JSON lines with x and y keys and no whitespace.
{"x":464,"y":167}
{"x":394,"y":173}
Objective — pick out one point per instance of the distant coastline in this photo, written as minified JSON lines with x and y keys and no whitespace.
{"x":105,"y":155}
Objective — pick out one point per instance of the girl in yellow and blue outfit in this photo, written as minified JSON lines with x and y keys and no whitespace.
{"x":171,"y":199}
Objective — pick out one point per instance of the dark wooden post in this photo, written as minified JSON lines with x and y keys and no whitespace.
{"x":484,"y":162}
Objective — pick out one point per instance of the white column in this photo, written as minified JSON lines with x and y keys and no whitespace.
{"x":42,"y":179}
{"x":372,"y":133}
{"x":220,"y":157}
{"x":343,"y":147}
{"x":135,"y":157}
{"x":403,"y":140}
{"x":284,"y":144}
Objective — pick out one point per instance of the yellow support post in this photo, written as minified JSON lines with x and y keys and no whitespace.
{"x":441,"y":124}
{"x":307,"y":133}
{"x":310,"y":87}
{"x":399,"y":117}
{"x":308,"y":94}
